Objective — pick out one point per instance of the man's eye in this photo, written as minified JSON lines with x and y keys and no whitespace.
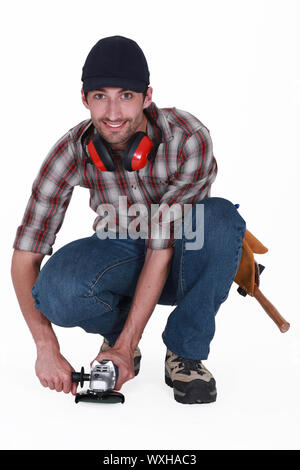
{"x":127,"y":96}
{"x":99,"y":96}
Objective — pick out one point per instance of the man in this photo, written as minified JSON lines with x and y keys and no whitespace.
{"x":109,"y":283}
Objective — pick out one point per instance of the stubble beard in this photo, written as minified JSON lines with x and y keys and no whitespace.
{"x":118,"y":139}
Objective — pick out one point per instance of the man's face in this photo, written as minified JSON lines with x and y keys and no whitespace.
{"x":117,"y":113}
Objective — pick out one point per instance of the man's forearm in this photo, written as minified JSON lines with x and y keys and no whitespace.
{"x":24,"y":271}
{"x":51,"y":368}
{"x":148,"y":290}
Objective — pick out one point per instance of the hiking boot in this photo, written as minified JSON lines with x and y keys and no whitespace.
{"x":190,"y":380}
{"x":136,"y":355}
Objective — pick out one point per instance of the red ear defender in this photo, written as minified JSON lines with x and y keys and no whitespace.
{"x":141,"y":155}
{"x":136,"y":155}
{"x":95,"y":156}
{"x":100,"y":154}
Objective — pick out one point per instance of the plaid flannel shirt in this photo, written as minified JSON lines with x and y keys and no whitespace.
{"x":181,"y":172}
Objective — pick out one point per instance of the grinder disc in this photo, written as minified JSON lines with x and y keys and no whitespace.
{"x":104,"y":397}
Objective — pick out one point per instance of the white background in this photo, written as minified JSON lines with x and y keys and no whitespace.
{"x":235,"y":65}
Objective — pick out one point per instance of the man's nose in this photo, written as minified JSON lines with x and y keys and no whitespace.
{"x":113,"y":111}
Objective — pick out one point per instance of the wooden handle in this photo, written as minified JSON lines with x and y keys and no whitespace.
{"x":282,"y":324}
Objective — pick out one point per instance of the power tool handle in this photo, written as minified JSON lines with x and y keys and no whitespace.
{"x":80,"y":377}
{"x":76,"y":377}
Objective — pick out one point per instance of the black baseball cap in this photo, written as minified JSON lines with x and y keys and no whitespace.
{"x":115,"y":61}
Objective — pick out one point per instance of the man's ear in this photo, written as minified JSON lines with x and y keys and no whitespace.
{"x":148,"y":98}
{"x":84,"y":101}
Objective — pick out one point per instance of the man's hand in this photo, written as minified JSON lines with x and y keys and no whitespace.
{"x":123,"y":359}
{"x":54,"y":371}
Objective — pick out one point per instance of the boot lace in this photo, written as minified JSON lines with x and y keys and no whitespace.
{"x":188,"y":365}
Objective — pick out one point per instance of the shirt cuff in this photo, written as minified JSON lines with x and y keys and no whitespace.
{"x":29,"y":239}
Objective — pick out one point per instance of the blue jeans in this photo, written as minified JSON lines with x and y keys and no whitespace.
{"x":91,"y":282}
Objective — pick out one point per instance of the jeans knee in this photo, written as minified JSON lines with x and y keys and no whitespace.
{"x":216,"y":223}
{"x":221,"y":211}
{"x":55,"y":299}
{"x":211,"y":220}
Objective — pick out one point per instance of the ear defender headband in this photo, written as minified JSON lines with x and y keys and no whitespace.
{"x":136,"y":155}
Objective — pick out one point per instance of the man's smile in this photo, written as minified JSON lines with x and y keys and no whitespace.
{"x":114,"y":125}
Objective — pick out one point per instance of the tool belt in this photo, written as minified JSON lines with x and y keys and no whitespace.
{"x":248,"y":278}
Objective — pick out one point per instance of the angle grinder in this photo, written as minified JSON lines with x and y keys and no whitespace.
{"x":103,"y":378}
